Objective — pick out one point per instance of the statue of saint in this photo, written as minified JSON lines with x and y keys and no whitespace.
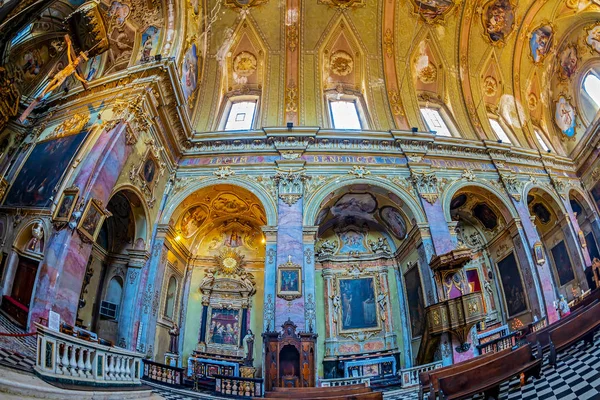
{"x":174,"y":343}
{"x":249,"y":348}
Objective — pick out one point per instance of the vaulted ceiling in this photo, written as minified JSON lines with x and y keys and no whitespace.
{"x":522,"y":62}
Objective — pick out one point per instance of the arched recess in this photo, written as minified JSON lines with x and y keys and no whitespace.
{"x":409,"y":204}
{"x":19,"y":277}
{"x":191,"y":185}
{"x":563,"y":247}
{"x":507,"y":210}
{"x":125,"y":232}
{"x":368,"y":267}
{"x":500,"y":269}
{"x":216,"y":232}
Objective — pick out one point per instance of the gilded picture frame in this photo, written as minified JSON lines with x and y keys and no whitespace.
{"x":66,"y":205}
{"x":149,"y":170}
{"x":538,"y":253}
{"x":3,"y":189}
{"x":91,"y":221}
{"x":289,"y":281}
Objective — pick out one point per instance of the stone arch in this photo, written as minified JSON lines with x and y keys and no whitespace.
{"x":312,"y":205}
{"x":267,"y":200}
{"x":583,"y":199}
{"x":529,"y":186}
{"x":143,"y":227}
{"x":508,"y":211}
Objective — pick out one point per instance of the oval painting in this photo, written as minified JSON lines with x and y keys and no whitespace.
{"x":540,"y":43}
{"x":564,"y":116}
{"x":498,"y":19}
{"x":394,"y":221}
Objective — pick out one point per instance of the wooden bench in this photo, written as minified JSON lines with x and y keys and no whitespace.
{"x":592,"y":297}
{"x":428,"y":381}
{"x":543,"y":335}
{"x":487,"y":377}
{"x":583,"y":326}
{"x":323,"y":396}
{"x":301,"y":393}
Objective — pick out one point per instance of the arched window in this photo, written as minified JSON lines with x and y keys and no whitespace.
{"x":170,"y":300}
{"x":591,"y":85}
{"x":109,"y":307}
{"x":542,"y":141}
{"x":437,"y":120}
{"x":239,"y":113}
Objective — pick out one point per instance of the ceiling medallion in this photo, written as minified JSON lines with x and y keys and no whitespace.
{"x":344,"y":3}
{"x":490,"y":86}
{"x":244,"y":64}
{"x":341,"y":63}
{"x":434,"y":11}
{"x":243,"y":4}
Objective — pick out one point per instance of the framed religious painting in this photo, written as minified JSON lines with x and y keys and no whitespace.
{"x":289,"y":281}
{"x":91,"y":220}
{"x":358,"y":309}
{"x":148,"y":171}
{"x":538,"y":253}
{"x":224,"y":327}
{"x":66,"y":205}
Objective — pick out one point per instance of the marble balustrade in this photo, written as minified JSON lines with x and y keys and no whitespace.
{"x":62,"y":356}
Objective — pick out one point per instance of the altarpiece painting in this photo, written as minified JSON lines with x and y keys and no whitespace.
{"x":512,"y":285}
{"x":359,"y":307}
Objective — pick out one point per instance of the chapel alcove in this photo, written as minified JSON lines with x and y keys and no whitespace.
{"x":21,"y":272}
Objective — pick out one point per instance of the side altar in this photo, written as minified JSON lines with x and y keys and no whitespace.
{"x":225,"y":341}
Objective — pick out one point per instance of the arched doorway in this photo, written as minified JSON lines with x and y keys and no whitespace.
{"x":368,"y":255}
{"x":101,"y":308}
{"x":562,"y":245}
{"x":21,"y":272}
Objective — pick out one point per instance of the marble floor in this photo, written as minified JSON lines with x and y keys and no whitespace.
{"x":576,"y":377}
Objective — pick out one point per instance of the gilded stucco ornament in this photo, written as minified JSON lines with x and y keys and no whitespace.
{"x":434,"y":11}
{"x":342,"y":4}
{"x":341,"y":63}
{"x":490,"y":86}
{"x":513,"y":185}
{"x":244,"y":64}
{"x":290,"y":184}
{"x":224,"y":172}
{"x":243,"y":4}
{"x":359,"y":171}
{"x":427,"y":185}
{"x":70,"y":126}
{"x":498,"y":19}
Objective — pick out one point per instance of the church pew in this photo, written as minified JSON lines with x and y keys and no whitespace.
{"x":302,"y":393}
{"x":488,"y":377}
{"x":543,"y":335}
{"x":428,"y":381}
{"x":324,"y":396}
{"x":581,"y":327}
{"x":592,"y":297}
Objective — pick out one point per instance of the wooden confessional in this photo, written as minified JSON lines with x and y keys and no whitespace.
{"x":289,"y":358}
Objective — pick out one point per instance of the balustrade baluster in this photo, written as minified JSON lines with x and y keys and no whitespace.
{"x":88,"y":364}
{"x":80,"y":363}
{"x":110,"y":360}
{"x":73,"y":361}
{"x":65,"y":359}
{"x":127,"y":368}
{"x":119,"y":369}
{"x":60,"y":348}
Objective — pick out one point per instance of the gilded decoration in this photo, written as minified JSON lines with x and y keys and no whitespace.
{"x":490,"y":86}
{"x":434,"y":11}
{"x":148,"y":172}
{"x":243,"y":4}
{"x":498,"y":19}
{"x":290,"y":184}
{"x":341,"y":63}
{"x":289,"y":280}
{"x":244,"y":64}
{"x":359,"y":171}
{"x":70,"y":126}
{"x":343,"y":4}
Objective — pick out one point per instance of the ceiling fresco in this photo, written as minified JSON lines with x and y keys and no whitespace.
{"x":474,"y":58}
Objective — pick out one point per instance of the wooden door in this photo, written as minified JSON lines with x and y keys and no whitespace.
{"x":24,"y":281}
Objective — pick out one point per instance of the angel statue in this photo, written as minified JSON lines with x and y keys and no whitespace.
{"x":59,"y":78}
